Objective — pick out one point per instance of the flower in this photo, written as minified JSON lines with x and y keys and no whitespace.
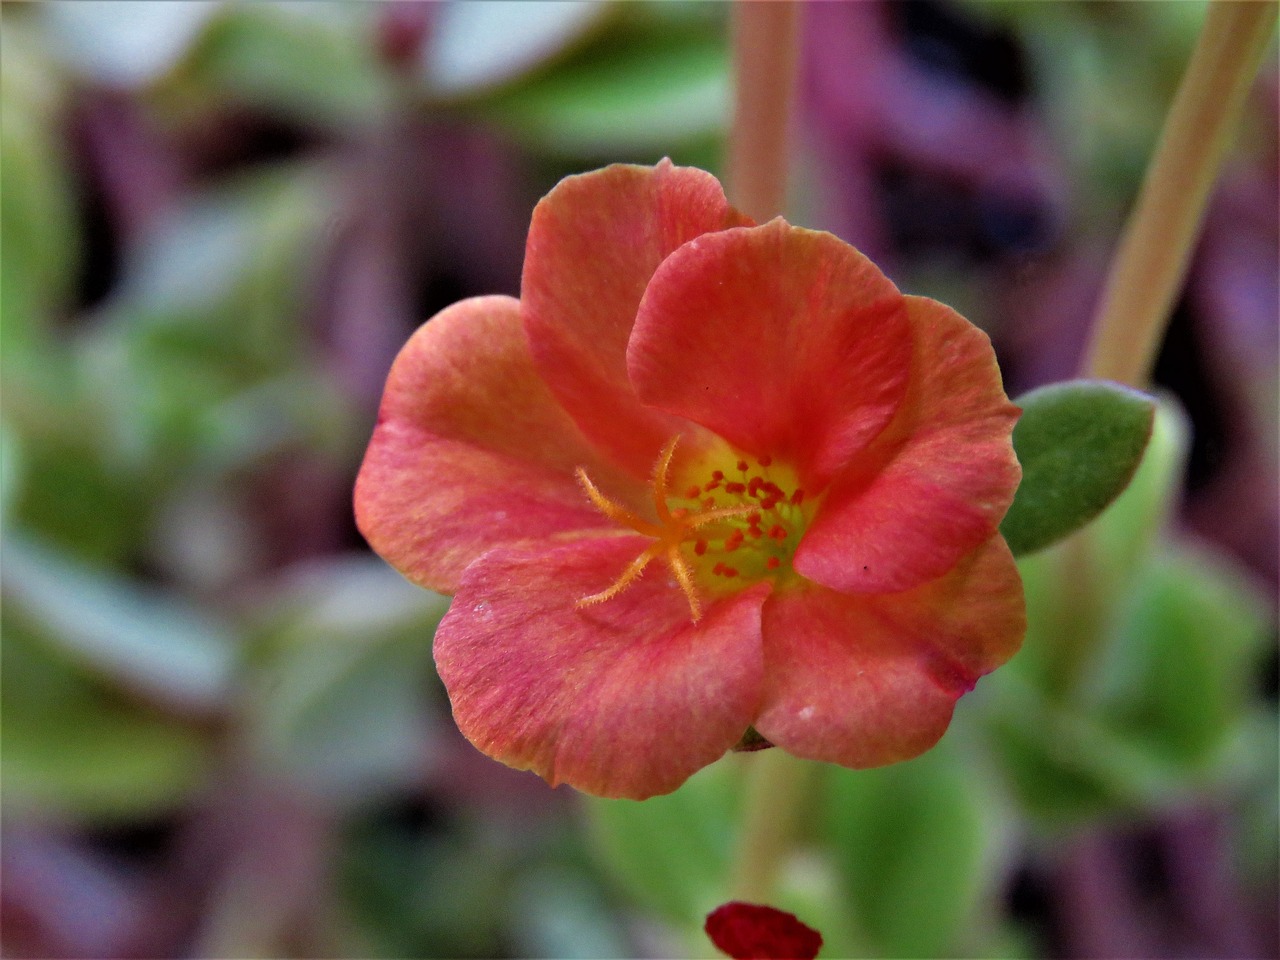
{"x":704,"y":481}
{"x":746,"y":931}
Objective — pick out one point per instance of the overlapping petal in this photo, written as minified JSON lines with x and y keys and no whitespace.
{"x":471,"y":450}
{"x":784,"y":341}
{"x":939,"y":479}
{"x":650,"y":310}
{"x":870,"y":680}
{"x":594,"y":243}
{"x":624,"y":699}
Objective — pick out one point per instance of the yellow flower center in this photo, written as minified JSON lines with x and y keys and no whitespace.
{"x":723,"y":522}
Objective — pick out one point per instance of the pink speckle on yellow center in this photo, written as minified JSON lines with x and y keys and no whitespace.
{"x":729,"y":528}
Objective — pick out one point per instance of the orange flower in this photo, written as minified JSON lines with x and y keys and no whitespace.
{"x":702,"y":477}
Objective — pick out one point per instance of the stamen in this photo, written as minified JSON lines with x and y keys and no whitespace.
{"x":685,"y":579}
{"x":675,"y":526}
{"x":614,"y":511}
{"x":634,"y":570}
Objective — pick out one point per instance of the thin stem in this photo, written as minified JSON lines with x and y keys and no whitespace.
{"x":766,"y":40}
{"x":778,"y":788}
{"x":1149,"y":268}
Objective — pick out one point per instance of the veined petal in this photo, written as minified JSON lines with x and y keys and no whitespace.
{"x":784,"y":341}
{"x":471,"y":450}
{"x":939,"y":479}
{"x":622,"y":699}
{"x":865,"y":681}
{"x":594,"y":242}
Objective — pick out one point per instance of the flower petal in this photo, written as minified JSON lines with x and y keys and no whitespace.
{"x":626,"y":698}
{"x":749,"y":931}
{"x":869,"y":680}
{"x":784,"y":341}
{"x":936,"y":483}
{"x":471,"y":450}
{"x":594,"y":242}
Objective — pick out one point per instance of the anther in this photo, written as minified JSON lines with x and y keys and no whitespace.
{"x":773,"y":563}
{"x":742,"y":466}
{"x":765,"y":460}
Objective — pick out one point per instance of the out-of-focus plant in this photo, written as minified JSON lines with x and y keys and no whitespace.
{"x":220,"y":731}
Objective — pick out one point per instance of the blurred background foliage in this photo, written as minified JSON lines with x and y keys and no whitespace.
{"x":221,"y":731}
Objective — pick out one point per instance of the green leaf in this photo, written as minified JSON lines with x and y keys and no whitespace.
{"x":314,"y":62}
{"x":627,"y":94}
{"x":339,"y":692}
{"x":10,"y":469}
{"x":1066,"y":764}
{"x":673,"y":853}
{"x":1079,"y":443}
{"x":1180,"y":675}
{"x":913,"y":842}
{"x":1079,"y":589}
{"x":143,"y":639}
{"x":37,"y":200}
{"x":70,"y":746}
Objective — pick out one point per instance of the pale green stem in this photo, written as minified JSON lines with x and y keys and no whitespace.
{"x":766,"y":41}
{"x":776,"y":796}
{"x":1151,"y":263}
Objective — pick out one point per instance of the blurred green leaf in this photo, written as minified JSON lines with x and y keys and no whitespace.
{"x":913,"y":843}
{"x":68,"y":746}
{"x":1066,"y":765}
{"x":1079,"y":443}
{"x":313,"y":62}
{"x":426,"y":889}
{"x":641,"y":93}
{"x":473,"y":47}
{"x":1182,"y":670}
{"x":10,"y":470}
{"x":339,"y":688}
{"x":559,"y":913}
{"x":1161,"y":706}
{"x":196,"y":365}
{"x":141,"y":638}
{"x":673,"y":853}
{"x":1126,"y":534}
{"x":37,"y":210}
{"x":75,"y":502}
{"x":1077,"y":590}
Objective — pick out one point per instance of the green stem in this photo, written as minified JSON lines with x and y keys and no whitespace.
{"x":1154,"y":251}
{"x":1151,"y":263}
{"x":777,"y":792}
{"x":766,"y":42}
